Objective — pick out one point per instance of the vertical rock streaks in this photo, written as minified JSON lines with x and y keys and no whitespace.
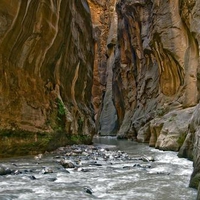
{"x":46,"y":63}
{"x":155,"y":73}
{"x":104,"y":21}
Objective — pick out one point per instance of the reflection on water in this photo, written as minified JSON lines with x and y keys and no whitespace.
{"x":166,"y":178}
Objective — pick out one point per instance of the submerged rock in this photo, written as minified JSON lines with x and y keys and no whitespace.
{"x":5,"y":171}
{"x":144,"y":166}
{"x":47,"y":170}
{"x":163,"y":173}
{"x":52,"y":179}
{"x":88,"y":190}
{"x":32,"y":177}
{"x":17,"y":172}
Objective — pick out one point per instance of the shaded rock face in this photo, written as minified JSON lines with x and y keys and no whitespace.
{"x":155,"y":75}
{"x":104,"y":19}
{"x":46,"y":64}
{"x":162,"y":45}
{"x":154,"y":65}
{"x":158,"y":60}
{"x":191,"y":147}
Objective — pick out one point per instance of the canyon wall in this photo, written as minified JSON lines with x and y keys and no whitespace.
{"x":159,"y":52}
{"x":146,"y":67}
{"x":143,"y":79}
{"x":151,"y":75}
{"x":46,"y":69}
{"x":104,"y":19}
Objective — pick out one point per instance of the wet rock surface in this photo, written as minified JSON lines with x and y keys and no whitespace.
{"x":95,"y":171}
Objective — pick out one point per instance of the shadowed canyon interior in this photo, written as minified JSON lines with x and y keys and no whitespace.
{"x":72,"y":69}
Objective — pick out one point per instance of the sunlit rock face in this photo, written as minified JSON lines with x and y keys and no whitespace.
{"x":46,"y":66}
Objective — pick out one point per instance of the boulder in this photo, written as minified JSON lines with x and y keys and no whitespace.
{"x":170,"y":131}
{"x":5,"y":170}
{"x":67,"y":164}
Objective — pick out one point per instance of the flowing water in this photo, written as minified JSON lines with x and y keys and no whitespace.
{"x":125,"y":177}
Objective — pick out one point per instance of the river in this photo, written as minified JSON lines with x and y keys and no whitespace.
{"x":111,"y":169}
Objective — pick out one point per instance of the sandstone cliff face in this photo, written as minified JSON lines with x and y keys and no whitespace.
{"x":46,"y":63}
{"x":155,"y":76}
{"x":104,"y":21}
{"x":191,"y":146}
{"x":154,"y":65}
{"x":149,"y":52}
{"x":161,"y":56}
{"x":146,"y":73}
{"x":159,"y":49}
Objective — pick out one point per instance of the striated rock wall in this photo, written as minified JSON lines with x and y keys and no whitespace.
{"x":158,"y":74}
{"x":144,"y":85}
{"x":46,"y":66}
{"x":160,"y":54}
{"x":190,"y":148}
{"x":104,"y":21}
{"x":154,"y":92}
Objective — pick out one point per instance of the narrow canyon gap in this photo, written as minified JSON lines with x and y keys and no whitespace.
{"x":70,"y":69}
{"x":149,"y":51}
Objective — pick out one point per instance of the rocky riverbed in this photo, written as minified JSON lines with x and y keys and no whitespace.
{"x":109,"y":169}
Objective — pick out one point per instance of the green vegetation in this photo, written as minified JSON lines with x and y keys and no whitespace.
{"x":181,"y":139}
{"x":61,"y":115}
{"x":80,"y":125}
{"x":194,"y":182}
{"x":160,"y":112}
{"x":172,"y":118}
{"x":18,"y":143}
{"x":77,"y":139}
{"x":61,"y":107}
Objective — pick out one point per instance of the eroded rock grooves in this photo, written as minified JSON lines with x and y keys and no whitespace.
{"x":143,"y":78}
{"x":46,"y":64}
{"x":104,"y":19}
{"x":155,"y":75}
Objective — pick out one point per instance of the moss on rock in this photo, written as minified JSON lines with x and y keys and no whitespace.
{"x":18,"y":143}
